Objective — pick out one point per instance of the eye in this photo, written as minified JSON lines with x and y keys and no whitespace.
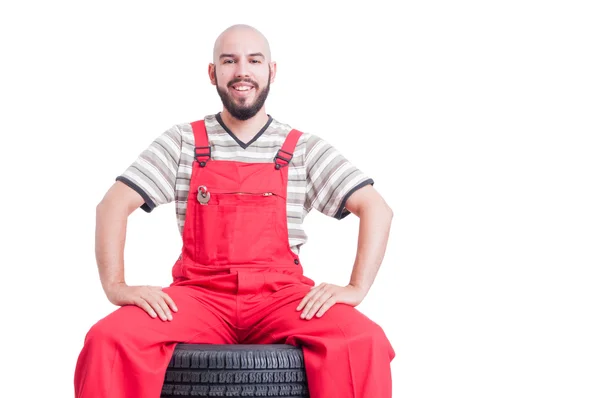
{"x":228,"y":61}
{"x":255,"y":61}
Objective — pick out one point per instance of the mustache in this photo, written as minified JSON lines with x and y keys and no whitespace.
{"x":234,"y":81}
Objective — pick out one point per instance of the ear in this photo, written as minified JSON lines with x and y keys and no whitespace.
{"x":273,"y":66}
{"x":211,"y":74}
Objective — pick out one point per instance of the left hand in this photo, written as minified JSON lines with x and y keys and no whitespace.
{"x":324,"y":296}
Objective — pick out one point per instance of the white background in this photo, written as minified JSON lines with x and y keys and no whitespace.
{"x":478,"y":121}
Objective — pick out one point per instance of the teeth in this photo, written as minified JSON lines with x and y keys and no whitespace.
{"x":242,"y":88}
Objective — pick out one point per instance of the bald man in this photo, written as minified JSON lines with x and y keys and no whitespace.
{"x":242,"y":183}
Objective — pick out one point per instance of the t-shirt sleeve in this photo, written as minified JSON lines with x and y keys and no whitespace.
{"x":153,"y":173}
{"x":331,"y":178}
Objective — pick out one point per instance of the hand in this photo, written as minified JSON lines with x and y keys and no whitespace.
{"x":324,"y":296}
{"x":149,"y":298}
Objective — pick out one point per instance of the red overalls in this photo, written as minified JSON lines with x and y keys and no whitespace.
{"x":236,"y":282}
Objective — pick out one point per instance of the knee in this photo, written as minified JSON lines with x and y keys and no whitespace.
{"x":101,"y":333}
{"x":376,"y":335}
{"x":370,"y":334}
{"x":113,"y":329}
{"x":381,"y":341}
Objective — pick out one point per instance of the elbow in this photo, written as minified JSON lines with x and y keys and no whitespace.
{"x":111,"y":207}
{"x":389,"y":212}
{"x":100,"y":206}
{"x":386,"y":209}
{"x":103,"y":205}
{"x":102,"y":209}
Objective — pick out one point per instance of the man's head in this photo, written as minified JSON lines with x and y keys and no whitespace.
{"x":242,"y":70}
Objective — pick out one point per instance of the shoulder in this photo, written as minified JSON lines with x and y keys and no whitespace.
{"x":307,"y":140}
{"x":185,"y":133}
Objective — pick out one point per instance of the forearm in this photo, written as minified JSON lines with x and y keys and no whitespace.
{"x":373,"y":234}
{"x":111,"y":224}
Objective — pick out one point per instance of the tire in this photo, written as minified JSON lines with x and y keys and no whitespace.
{"x":237,"y":370}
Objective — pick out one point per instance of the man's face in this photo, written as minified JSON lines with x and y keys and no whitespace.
{"x":243,"y":97}
{"x":242,"y":74}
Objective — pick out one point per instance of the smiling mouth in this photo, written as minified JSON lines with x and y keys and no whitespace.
{"x":242,"y":87}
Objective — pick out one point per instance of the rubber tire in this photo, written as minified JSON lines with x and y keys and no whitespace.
{"x":236,"y":370}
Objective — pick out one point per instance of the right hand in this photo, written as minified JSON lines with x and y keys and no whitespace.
{"x":149,"y":298}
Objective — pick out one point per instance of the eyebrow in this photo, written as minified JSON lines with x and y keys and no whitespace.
{"x":234,"y":56}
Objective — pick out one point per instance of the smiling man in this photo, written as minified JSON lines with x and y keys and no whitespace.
{"x":242,"y":183}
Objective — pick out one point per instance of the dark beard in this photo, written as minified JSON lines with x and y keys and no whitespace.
{"x":243,"y":112}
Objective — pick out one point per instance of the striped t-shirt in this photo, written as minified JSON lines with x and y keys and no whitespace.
{"x":319,"y":176}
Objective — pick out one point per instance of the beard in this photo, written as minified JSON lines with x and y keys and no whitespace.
{"x":244,"y":111}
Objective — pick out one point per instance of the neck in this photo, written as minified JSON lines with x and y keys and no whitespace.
{"x":245,"y":127}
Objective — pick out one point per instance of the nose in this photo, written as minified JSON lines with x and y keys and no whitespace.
{"x":241,"y":70}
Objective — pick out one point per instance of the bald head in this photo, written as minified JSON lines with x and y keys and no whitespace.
{"x":240,"y":35}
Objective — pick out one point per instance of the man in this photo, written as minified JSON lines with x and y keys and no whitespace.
{"x":242,"y":183}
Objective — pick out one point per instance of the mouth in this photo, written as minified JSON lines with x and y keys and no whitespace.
{"x":242,"y":89}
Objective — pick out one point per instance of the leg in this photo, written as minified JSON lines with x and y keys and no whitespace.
{"x":346,"y":354}
{"x":126,"y":354}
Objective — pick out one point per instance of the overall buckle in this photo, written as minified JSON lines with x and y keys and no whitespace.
{"x":198,"y":154}
{"x":278,"y":156}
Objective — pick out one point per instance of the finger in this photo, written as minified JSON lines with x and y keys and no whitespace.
{"x":156,"y":307}
{"x":169,"y":301}
{"x":143,"y":304}
{"x":163,"y":304}
{"x":314,"y":300}
{"x":313,"y":290}
{"x":327,"y":305}
{"x":317,"y":304}
{"x":311,"y":293}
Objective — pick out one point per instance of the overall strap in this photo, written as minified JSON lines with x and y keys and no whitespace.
{"x":286,"y":153}
{"x":201,"y":148}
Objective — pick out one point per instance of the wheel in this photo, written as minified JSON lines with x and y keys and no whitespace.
{"x":237,"y":370}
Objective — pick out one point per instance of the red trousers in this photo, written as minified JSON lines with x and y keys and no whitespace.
{"x":236,"y":282}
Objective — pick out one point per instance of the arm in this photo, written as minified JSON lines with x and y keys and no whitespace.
{"x":111,"y":225}
{"x":336,"y":188}
{"x":374,"y":229}
{"x":375,"y":222}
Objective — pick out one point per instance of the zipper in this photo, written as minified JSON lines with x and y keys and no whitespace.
{"x":247,"y":193}
{"x":204,"y":194}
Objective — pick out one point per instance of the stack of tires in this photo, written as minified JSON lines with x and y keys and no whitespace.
{"x":208,"y":370}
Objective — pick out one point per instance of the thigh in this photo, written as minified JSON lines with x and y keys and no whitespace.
{"x":194,"y":322}
{"x":280,"y":322}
